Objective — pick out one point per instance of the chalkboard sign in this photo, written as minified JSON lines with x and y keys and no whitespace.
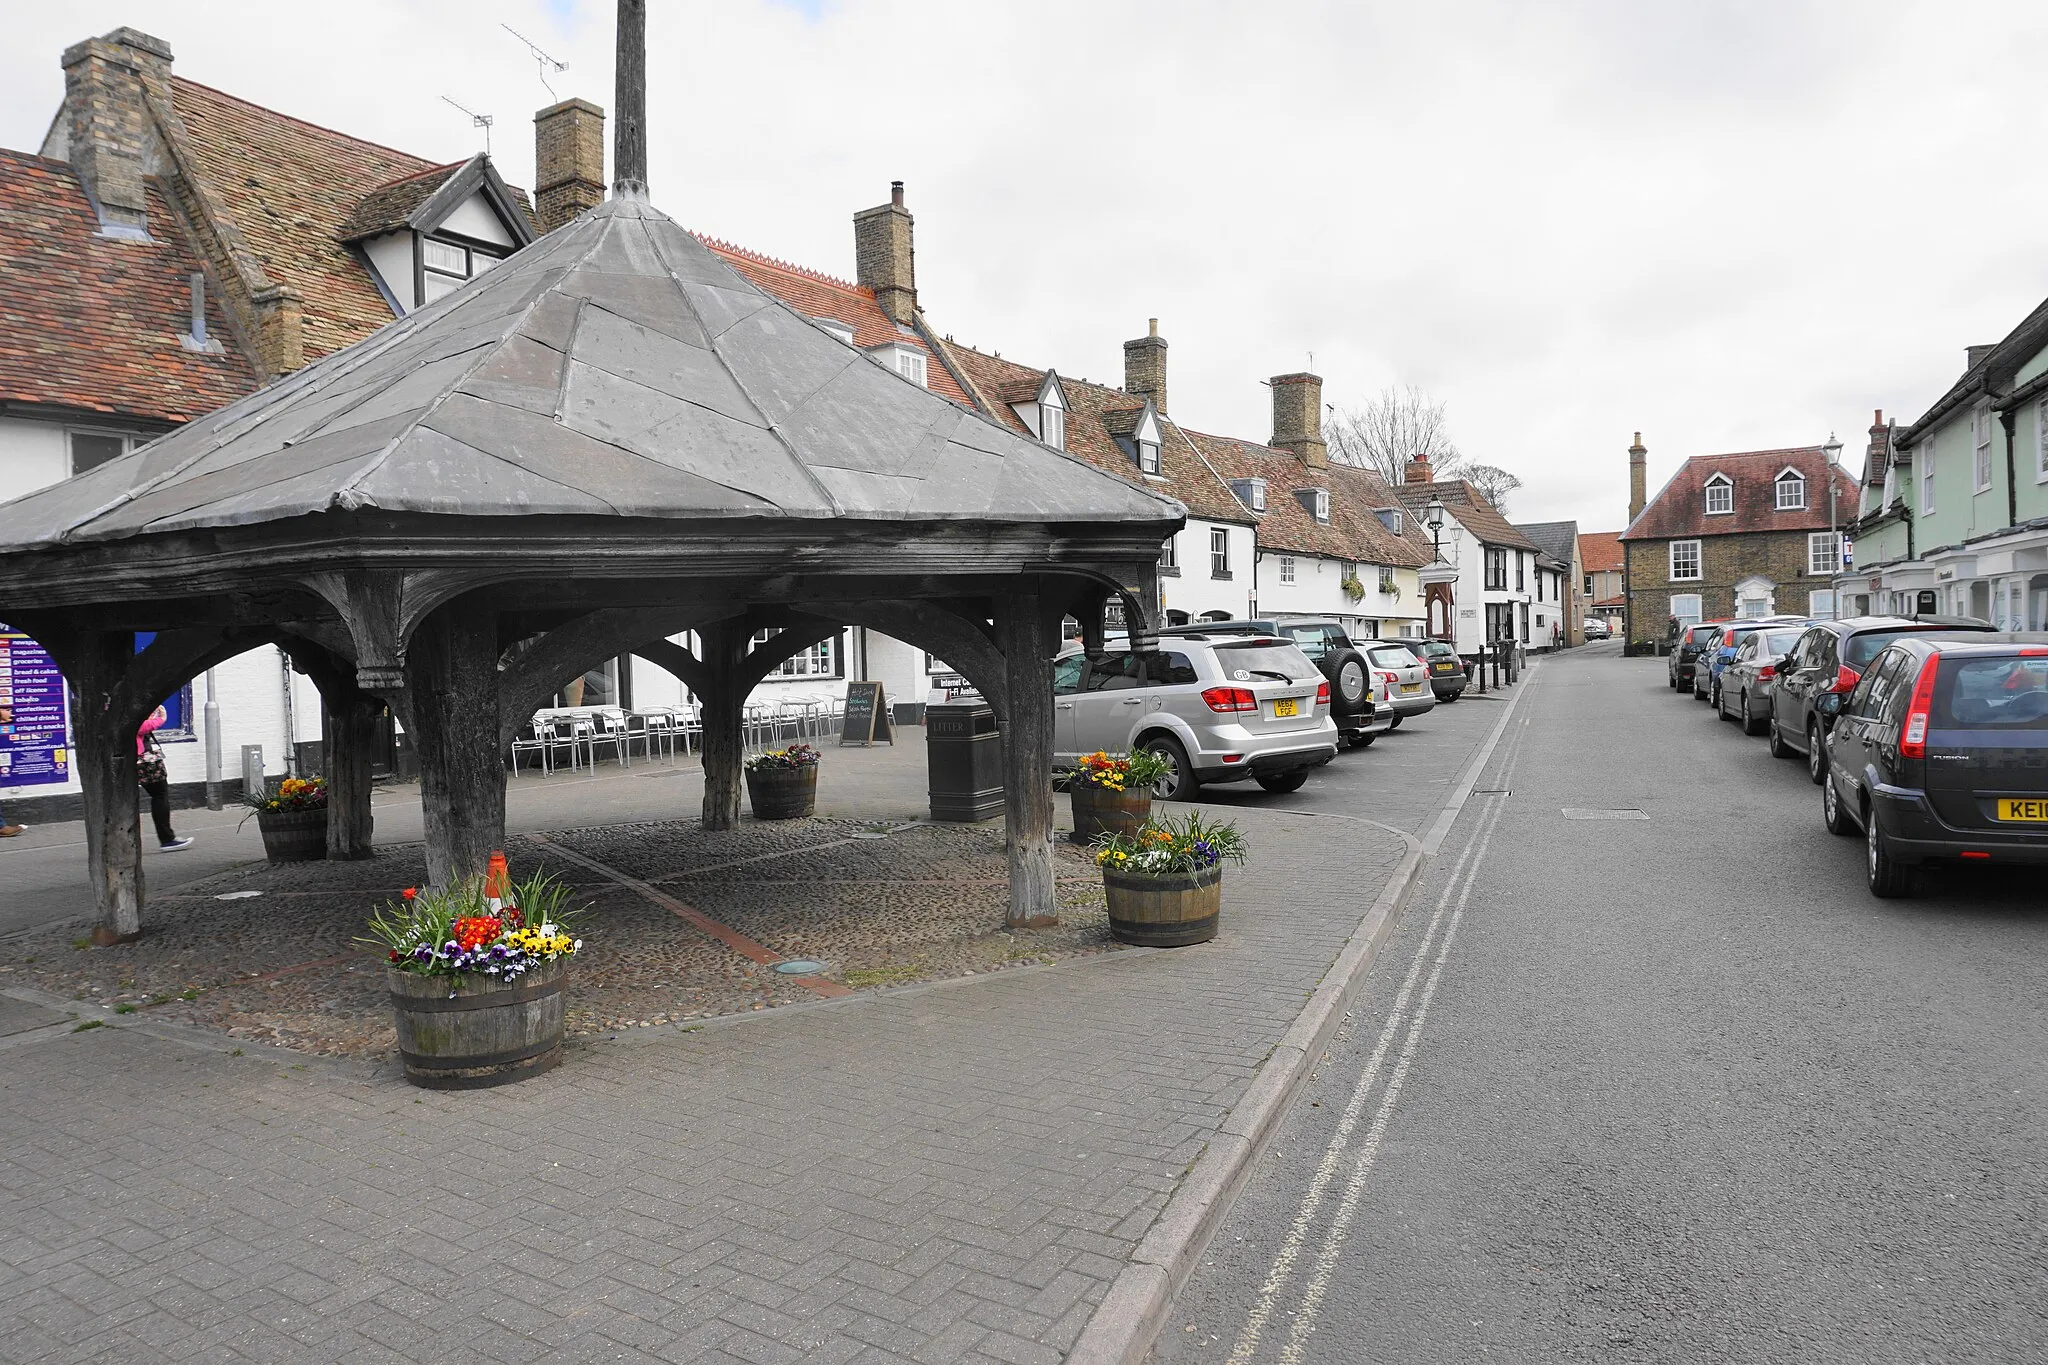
{"x":867,"y":715}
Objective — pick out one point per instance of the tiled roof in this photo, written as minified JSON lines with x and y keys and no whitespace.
{"x":1089,"y":437}
{"x":1554,"y":538}
{"x":818,"y":295}
{"x":1600,"y":551}
{"x":1470,"y":507}
{"x":1352,"y":532}
{"x":93,"y":322}
{"x":386,"y":208}
{"x":1680,"y":508}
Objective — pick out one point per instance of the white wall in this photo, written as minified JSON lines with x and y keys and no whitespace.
{"x":32,"y":455}
{"x":1194,"y":590}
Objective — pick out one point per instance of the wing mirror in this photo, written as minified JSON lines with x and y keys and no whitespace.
{"x":1828,"y":704}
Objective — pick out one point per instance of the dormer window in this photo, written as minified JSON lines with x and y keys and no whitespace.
{"x":1322,"y":504}
{"x":1721,"y":495}
{"x":842,"y":330}
{"x":1791,"y":490}
{"x":1390,"y":517}
{"x":1136,"y":433}
{"x":446,"y":266}
{"x":1148,"y":456}
{"x":907,"y":361}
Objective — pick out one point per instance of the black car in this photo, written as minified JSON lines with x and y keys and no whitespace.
{"x":1941,"y":752}
{"x":1829,"y":658}
{"x":1685,"y":647}
{"x":1447,"y":677}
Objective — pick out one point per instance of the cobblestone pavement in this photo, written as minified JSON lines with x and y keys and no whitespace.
{"x":281,"y":961}
{"x":951,"y":1172}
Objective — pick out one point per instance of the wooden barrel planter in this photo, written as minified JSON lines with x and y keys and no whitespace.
{"x":470,"y":1032}
{"x":1097,"y":810}
{"x":783,"y":793}
{"x":1164,"y":912}
{"x":293,"y":836}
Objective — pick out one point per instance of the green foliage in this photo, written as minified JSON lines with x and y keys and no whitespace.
{"x":1165,"y":846}
{"x":1133,"y":771}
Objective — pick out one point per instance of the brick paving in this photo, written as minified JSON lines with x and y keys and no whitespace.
{"x":952,"y":1172}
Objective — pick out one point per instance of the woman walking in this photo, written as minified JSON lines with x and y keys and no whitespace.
{"x":149,"y":771}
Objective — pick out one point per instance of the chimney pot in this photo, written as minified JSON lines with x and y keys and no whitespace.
{"x":568,"y":162}
{"x":1638,"y":478}
{"x":896,"y":194}
{"x":1418,"y":470}
{"x":885,"y":255}
{"x":1298,"y":417}
{"x":1145,"y":366}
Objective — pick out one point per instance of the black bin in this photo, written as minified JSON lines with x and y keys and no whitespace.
{"x":964,"y":756}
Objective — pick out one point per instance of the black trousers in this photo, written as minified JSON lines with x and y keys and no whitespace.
{"x":160,"y":809}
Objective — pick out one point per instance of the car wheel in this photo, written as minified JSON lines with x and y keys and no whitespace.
{"x":1889,"y":878}
{"x":1284,"y":782}
{"x":1831,"y":813}
{"x":1395,"y":723}
{"x":1363,"y":741}
{"x":1750,"y":724}
{"x":1178,"y":782}
{"x":1721,"y":704}
{"x":1816,"y":753}
{"x":1779,"y":748}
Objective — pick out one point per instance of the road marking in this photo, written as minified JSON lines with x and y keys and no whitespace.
{"x":1469,"y":779}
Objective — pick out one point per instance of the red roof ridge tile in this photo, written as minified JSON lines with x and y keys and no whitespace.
{"x":293,"y":118}
{"x":725,"y":248}
{"x":420,"y":174}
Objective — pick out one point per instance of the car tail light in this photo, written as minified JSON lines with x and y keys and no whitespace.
{"x":1971,"y":852}
{"x":1767,"y":671}
{"x":1391,"y":679}
{"x":1322,"y":694}
{"x":1914,"y":743}
{"x":1846,"y":679}
{"x":1230,"y":699}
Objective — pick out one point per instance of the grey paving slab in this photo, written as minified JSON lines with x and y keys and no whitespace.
{"x":17,"y":1016}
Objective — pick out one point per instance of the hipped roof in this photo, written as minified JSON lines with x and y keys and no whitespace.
{"x":617,"y":367}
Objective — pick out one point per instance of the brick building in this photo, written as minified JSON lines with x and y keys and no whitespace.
{"x":1732,"y":536}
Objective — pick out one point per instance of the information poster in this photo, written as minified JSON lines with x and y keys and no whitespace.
{"x":35,"y":735}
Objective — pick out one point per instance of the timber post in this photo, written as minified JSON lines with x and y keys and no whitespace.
{"x":104,"y":744}
{"x":351,"y":733}
{"x":724,"y":697}
{"x":1027,"y":640}
{"x":452,"y":671}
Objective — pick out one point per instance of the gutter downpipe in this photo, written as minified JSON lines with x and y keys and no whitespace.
{"x":213,"y":792}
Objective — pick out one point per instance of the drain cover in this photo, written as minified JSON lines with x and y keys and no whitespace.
{"x":1623,"y":813}
{"x":803,"y":966}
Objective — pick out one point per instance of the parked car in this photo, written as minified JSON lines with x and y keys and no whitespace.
{"x":1830,"y":658}
{"x":1936,"y":753}
{"x":1228,"y":708}
{"x":1408,"y":677}
{"x":1685,"y":648}
{"x":1596,"y":628}
{"x":1359,"y":720}
{"x":1447,"y":676}
{"x":1751,"y":677}
{"x":1714,"y":656}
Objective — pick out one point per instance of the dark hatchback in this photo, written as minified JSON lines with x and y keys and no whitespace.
{"x":1446,"y":670}
{"x":1940,"y":752}
{"x":1686,"y":645}
{"x":1829,"y":658}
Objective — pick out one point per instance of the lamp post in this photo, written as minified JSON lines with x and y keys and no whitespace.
{"x":1833,"y":450}
{"x":1433,"y":518}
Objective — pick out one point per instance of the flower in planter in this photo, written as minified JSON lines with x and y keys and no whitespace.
{"x":1135,"y":771}
{"x":795,"y":756}
{"x":294,"y":793}
{"x":1165,"y":847}
{"x":452,"y":931}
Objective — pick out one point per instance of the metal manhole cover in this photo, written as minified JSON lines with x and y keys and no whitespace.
{"x":1619,"y":813}
{"x":803,"y":966}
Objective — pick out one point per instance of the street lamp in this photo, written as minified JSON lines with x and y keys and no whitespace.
{"x":1433,"y":518}
{"x":1833,"y":450}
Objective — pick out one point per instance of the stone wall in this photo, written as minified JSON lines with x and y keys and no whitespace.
{"x":1725,"y":561}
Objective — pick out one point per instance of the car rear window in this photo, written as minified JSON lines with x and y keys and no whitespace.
{"x":1861,"y":648}
{"x":1242,"y":663}
{"x":1779,"y":642}
{"x":1392,"y":656}
{"x":1701,"y":634}
{"x":1992,"y":694}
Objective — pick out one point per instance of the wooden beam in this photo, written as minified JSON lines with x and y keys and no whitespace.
{"x":1028,"y":642}
{"x":724,"y":644}
{"x":452,"y":674}
{"x":103,"y":743}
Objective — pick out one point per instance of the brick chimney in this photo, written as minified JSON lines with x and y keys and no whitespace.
{"x":1638,"y":478}
{"x":105,"y":129}
{"x":1418,"y":470}
{"x":883,"y":257}
{"x":568,"y":162}
{"x":1973,"y":354}
{"x":1298,"y":417}
{"x":1145,"y":366}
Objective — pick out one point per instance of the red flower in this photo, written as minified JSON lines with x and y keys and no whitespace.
{"x":409,"y":892}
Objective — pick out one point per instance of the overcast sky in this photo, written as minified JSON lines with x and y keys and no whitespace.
{"x":1727,"y":225}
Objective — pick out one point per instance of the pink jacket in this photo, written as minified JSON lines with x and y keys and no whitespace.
{"x":150,"y":726}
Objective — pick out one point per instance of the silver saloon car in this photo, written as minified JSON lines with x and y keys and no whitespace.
{"x":1747,"y":680}
{"x":1408,"y":683}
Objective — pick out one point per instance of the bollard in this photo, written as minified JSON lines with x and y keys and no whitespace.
{"x":252,"y":770}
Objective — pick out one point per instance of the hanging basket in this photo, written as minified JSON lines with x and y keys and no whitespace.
{"x":783,"y":793}
{"x":470,"y":1032}
{"x":293,"y":836}
{"x":1098,"y":810}
{"x":1165,"y":912}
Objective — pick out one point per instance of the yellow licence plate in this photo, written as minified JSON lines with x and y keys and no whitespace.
{"x":1286,"y":706}
{"x":1410,"y":687}
{"x":2033,"y":811}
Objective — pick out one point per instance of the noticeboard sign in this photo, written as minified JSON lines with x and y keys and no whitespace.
{"x":867,"y":715}
{"x":35,"y":723}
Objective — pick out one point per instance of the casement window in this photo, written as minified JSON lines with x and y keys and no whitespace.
{"x":1720,"y":496}
{"x":1322,"y":504}
{"x":821,"y":660}
{"x":1925,"y":456}
{"x":1824,"y":552}
{"x":1521,"y":573}
{"x":1148,"y":456}
{"x":1981,"y":426}
{"x":1496,"y":569}
{"x":1687,"y":608}
{"x":1589,"y":585}
{"x":1286,"y":568}
{"x":1685,"y":560}
{"x":1820,"y":604}
{"x":1219,"y":552}
{"x":2041,"y":441}
{"x":91,"y":449}
{"x":911,"y":365}
{"x":446,"y":266}
{"x":1791,"y":492}
{"x":1169,"y":556}
{"x":1053,"y":422}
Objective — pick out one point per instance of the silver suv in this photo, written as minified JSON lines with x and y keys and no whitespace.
{"x":1407,"y":677}
{"x":1218,"y":710}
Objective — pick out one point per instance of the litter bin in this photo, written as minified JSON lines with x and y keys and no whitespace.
{"x":964,"y":757}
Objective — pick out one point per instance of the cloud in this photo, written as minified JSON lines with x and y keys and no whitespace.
{"x":1729,"y":225}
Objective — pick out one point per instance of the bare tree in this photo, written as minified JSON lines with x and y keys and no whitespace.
{"x":1496,"y":483}
{"x":1382,"y":434}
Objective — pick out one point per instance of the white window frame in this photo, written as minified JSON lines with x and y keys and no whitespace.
{"x":2041,"y":441}
{"x":1148,"y":457}
{"x":1257,"y":488}
{"x":1820,"y":603}
{"x":820,"y":660}
{"x":1286,"y":568}
{"x":910,"y":364}
{"x":1053,"y":420}
{"x":1724,"y":486}
{"x":1169,"y":555}
{"x":1796,"y":483}
{"x":1824,"y":553}
{"x":1980,"y":427}
{"x":128,"y":439}
{"x":1925,"y":455}
{"x":1322,"y":509}
{"x":1219,"y":552}
{"x":1672,"y":572}
{"x":1688,"y":607}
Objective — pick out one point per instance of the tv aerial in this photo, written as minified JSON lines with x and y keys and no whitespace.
{"x":541,"y":59}
{"x":476,"y":120}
